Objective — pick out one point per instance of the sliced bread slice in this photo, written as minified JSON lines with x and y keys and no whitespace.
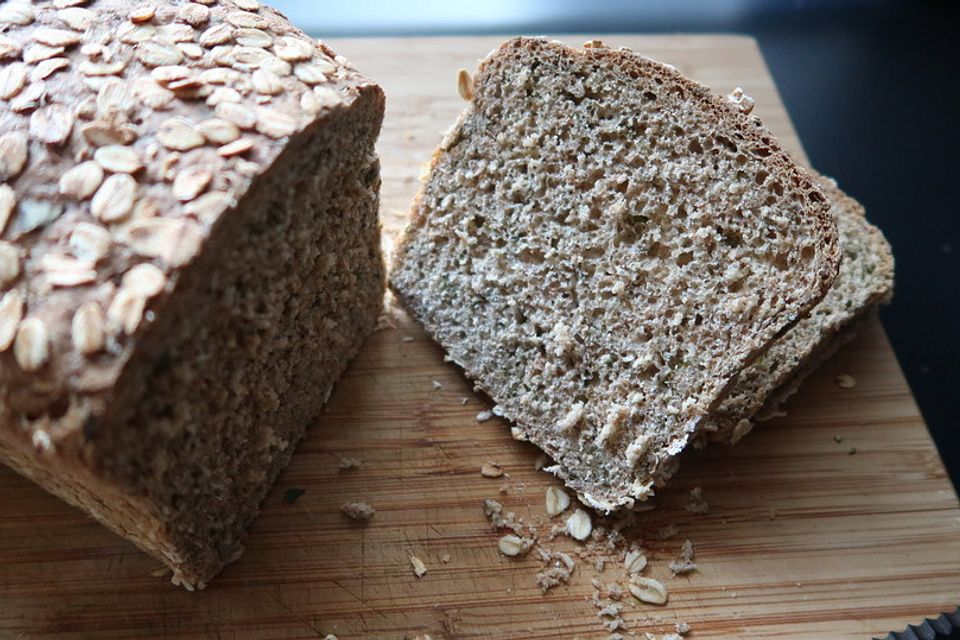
{"x":865,"y":280}
{"x":603,"y":245}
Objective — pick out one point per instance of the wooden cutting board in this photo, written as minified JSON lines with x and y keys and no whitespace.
{"x":804,"y":538}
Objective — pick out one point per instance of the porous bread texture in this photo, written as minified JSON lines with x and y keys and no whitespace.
{"x":865,"y":281}
{"x":603,"y":245}
{"x":190,"y":256}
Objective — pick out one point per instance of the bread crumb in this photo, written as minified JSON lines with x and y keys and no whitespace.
{"x":851,"y":451}
{"x":838,"y":438}
{"x":408,"y":338}
{"x":419,"y":569}
{"x":360,"y":511}
{"x":483,"y":416}
{"x":682,"y":628}
{"x":679,"y":567}
{"x":599,"y":534}
{"x":494,"y":512}
{"x":445,"y":558}
{"x":611,"y":610}
{"x":558,"y":570}
{"x":845,"y":381}
{"x":437,"y":385}
{"x":555,"y":531}
{"x":684,"y":564}
{"x":741,"y":101}
{"x":491,"y":469}
{"x":615,"y":624}
{"x":464,"y":400}
{"x":349,"y":464}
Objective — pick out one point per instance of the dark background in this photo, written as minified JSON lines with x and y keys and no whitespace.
{"x":872,"y":88}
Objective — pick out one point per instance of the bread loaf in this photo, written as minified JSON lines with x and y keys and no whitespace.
{"x":603,"y":246}
{"x":190,"y":256}
{"x":864,"y":282}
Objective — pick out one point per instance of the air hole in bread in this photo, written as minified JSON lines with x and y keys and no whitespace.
{"x":658,"y":250}
{"x":726,"y":142}
{"x":531,"y":256}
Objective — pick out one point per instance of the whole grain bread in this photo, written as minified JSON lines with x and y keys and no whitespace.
{"x":603,"y":246}
{"x":190,"y":256}
{"x":864,"y":282}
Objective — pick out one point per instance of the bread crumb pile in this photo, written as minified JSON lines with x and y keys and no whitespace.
{"x":359,"y":511}
{"x":571,"y":539}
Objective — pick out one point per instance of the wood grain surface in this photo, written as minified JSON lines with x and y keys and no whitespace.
{"x":804,"y":538}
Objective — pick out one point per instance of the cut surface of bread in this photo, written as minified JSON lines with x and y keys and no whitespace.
{"x":603,"y":245}
{"x":865,"y":281}
{"x":189,"y":258}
